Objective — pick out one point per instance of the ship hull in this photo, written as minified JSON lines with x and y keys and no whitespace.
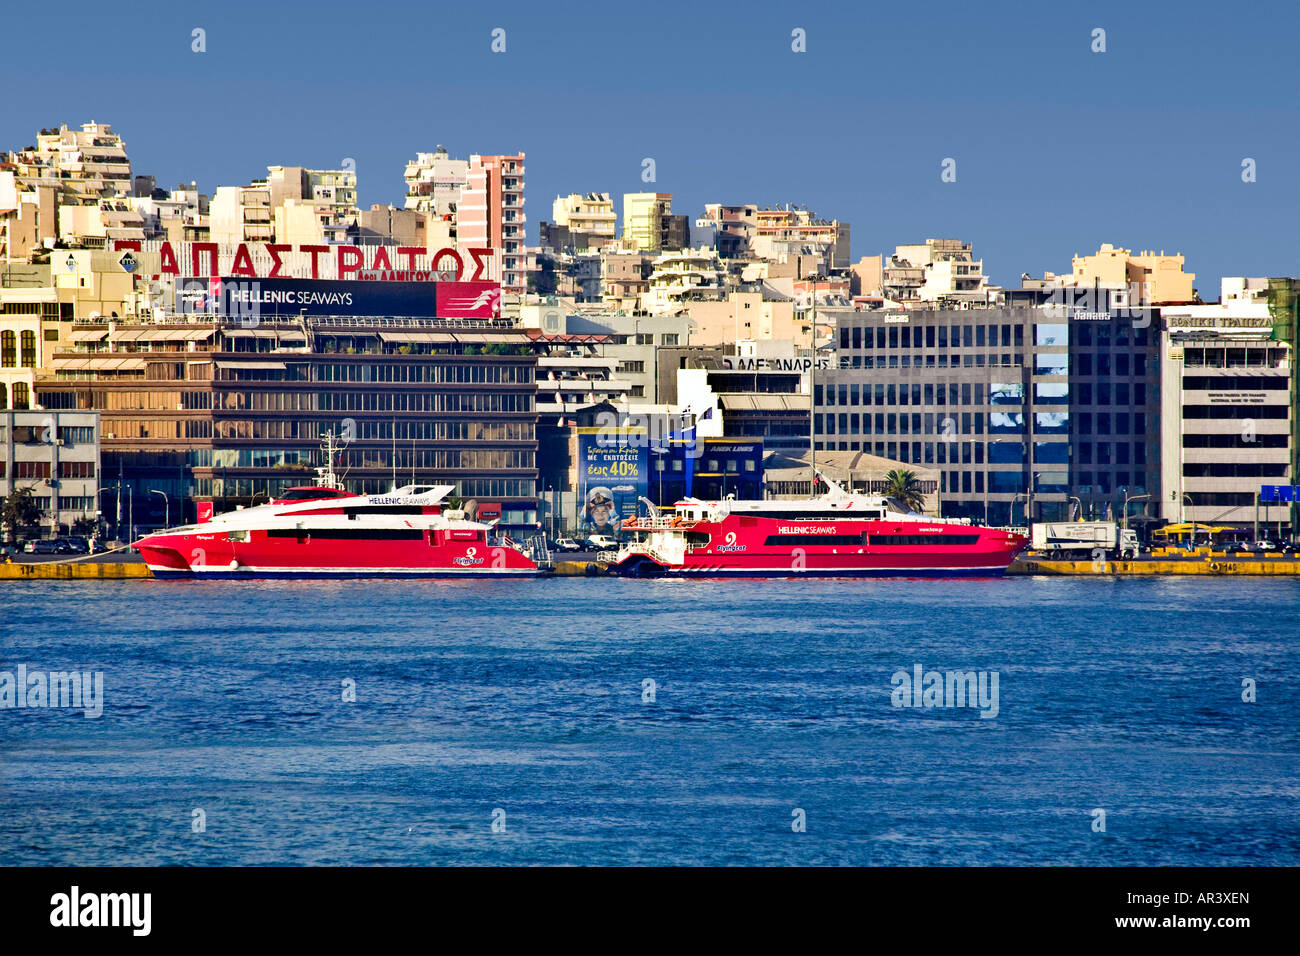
{"x":761,"y":547}
{"x":653,"y":569}
{"x":213,"y":556}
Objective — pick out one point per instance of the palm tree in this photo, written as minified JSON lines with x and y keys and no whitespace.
{"x":906,"y":487}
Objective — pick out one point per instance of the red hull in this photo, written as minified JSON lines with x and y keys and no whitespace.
{"x":432,"y":553}
{"x":755,"y":545}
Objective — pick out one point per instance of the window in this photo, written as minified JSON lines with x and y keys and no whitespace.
{"x":1050,"y":333}
{"x":1051,"y":453}
{"x":1006,"y":453}
{"x":29,"y":348}
{"x":1052,"y":423}
{"x":21,"y":395}
{"x":1006,"y":423}
{"x":1053,"y":364}
{"x":8,"y":349}
{"x":1006,"y":393}
{"x":1006,"y":482}
{"x":1051,"y":393}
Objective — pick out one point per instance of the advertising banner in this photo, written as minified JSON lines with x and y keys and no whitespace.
{"x":612,"y":473}
{"x":469,"y":300}
{"x":353,"y":297}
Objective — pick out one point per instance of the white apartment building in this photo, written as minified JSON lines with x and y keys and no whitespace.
{"x":679,"y":278}
{"x":590,"y":213}
{"x":434,"y":182}
{"x":938,"y":270}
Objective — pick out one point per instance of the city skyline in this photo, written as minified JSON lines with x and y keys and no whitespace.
{"x":1166,"y":173}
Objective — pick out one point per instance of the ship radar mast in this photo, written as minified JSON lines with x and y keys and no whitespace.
{"x":331,"y":445}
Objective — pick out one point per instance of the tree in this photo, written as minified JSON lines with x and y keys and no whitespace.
{"x":86,"y":527}
{"x":906,"y":487}
{"x":20,"y":511}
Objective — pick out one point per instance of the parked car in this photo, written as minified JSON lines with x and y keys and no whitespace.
{"x":566,"y":544}
{"x":602,"y":542}
{"x":41,"y":546}
{"x":75,"y":544}
{"x":1265,"y":545}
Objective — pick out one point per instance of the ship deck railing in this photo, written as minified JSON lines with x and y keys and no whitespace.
{"x":656,"y":523}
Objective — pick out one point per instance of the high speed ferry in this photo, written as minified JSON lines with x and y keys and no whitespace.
{"x":836,"y":534}
{"x":323,"y":531}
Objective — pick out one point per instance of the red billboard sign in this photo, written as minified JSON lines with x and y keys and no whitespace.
{"x":469,"y":300}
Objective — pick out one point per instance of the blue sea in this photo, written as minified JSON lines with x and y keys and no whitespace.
{"x":606,"y":721}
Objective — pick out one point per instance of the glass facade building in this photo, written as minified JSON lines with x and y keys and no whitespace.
{"x":1024,"y":409}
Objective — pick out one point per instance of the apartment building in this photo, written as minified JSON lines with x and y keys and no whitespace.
{"x":782,"y":233}
{"x":729,"y":229}
{"x":645,"y":226}
{"x":624,"y":278}
{"x":681,"y":278}
{"x":939,"y":271}
{"x":1157,"y":279}
{"x":434,"y":182}
{"x":590,"y":216}
{"x":291,"y":205}
{"x":491,"y":215}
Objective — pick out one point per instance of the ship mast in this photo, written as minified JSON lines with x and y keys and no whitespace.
{"x":326,"y":477}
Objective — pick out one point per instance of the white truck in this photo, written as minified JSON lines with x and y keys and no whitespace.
{"x":1079,"y":539}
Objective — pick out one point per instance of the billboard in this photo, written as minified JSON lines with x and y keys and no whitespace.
{"x":469,"y":300}
{"x":351,"y":297}
{"x":246,"y":298}
{"x":612,"y":472}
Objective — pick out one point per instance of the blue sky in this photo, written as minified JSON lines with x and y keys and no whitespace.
{"x":1057,"y":148}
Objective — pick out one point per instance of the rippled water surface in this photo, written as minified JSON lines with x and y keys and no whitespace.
{"x":527,"y":702}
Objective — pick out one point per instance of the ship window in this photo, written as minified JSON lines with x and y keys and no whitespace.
{"x":923,"y":539}
{"x":384,"y":534}
{"x":236,"y":535}
{"x":806,"y":539}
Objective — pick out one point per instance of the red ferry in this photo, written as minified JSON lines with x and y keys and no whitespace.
{"x":837,"y":534}
{"x":323,"y":531}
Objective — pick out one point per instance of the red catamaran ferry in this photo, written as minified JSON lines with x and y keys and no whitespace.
{"x":328,"y":532}
{"x":836,"y":534}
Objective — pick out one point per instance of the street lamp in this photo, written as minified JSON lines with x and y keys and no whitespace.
{"x":167,"y":507}
{"x":1011,"y":514}
{"x":1127,"y":499}
{"x":98,"y":512}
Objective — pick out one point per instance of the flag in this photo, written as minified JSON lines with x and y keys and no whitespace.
{"x":708,"y":413}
